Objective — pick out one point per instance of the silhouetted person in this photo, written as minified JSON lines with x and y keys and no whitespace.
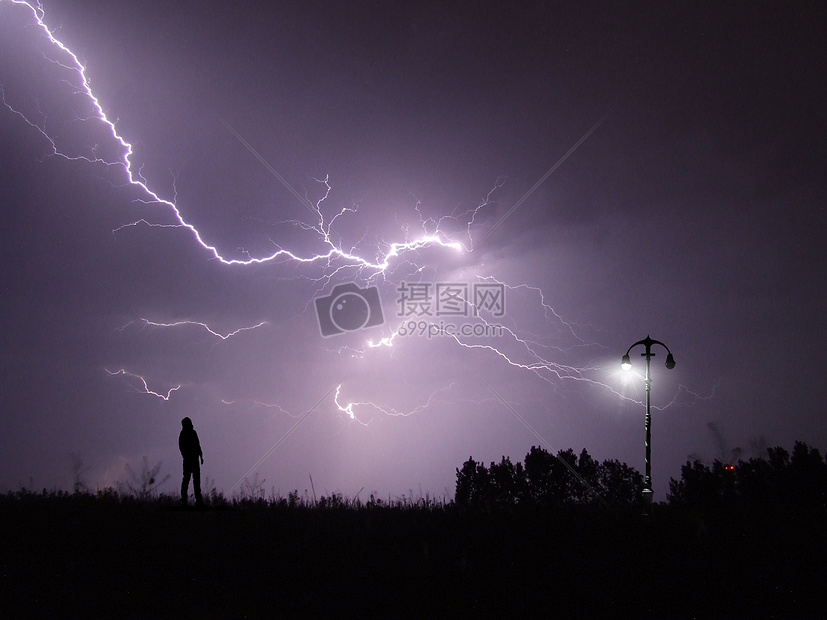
{"x":190,"y":449}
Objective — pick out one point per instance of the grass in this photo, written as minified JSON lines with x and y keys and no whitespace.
{"x":110,"y":554}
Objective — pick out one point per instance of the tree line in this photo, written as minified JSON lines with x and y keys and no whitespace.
{"x":783,"y":479}
{"x":547,"y":479}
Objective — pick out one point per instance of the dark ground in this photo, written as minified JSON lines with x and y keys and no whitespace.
{"x":65,"y":556}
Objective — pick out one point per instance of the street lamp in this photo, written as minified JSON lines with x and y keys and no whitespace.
{"x":626,"y":364}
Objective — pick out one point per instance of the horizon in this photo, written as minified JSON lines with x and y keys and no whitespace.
{"x":561,"y":185}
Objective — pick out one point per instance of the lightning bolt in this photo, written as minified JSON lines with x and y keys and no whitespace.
{"x":526,"y":352}
{"x":389,"y":411}
{"x":144,"y":385}
{"x":206,"y":327}
{"x":80,"y":82}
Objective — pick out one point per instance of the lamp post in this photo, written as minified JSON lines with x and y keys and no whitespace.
{"x":625,"y":364}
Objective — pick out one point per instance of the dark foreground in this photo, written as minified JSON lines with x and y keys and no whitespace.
{"x":85,"y":557}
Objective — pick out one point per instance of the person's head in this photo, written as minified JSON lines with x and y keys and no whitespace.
{"x":186,"y":423}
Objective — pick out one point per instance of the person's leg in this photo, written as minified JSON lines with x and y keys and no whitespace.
{"x":196,"y":483}
{"x":185,"y":483}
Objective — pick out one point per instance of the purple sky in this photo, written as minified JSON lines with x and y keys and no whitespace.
{"x":694,"y":213}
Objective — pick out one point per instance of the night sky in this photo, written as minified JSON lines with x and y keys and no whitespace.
{"x":694,"y":212}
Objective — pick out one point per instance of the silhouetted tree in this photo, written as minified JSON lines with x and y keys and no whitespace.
{"x":473,"y":484}
{"x":508,"y":482}
{"x":548,"y":480}
{"x":619,"y":484}
{"x":701,"y":485}
{"x":807,"y":478}
{"x":757,"y":481}
{"x":79,"y":471}
{"x":782,"y":479}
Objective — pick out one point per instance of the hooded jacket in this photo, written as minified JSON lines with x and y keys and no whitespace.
{"x":188,"y":442}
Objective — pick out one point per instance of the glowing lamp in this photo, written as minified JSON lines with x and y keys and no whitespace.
{"x":626,"y":364}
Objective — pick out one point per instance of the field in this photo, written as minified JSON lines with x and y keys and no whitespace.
{"x":66,"y":555}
